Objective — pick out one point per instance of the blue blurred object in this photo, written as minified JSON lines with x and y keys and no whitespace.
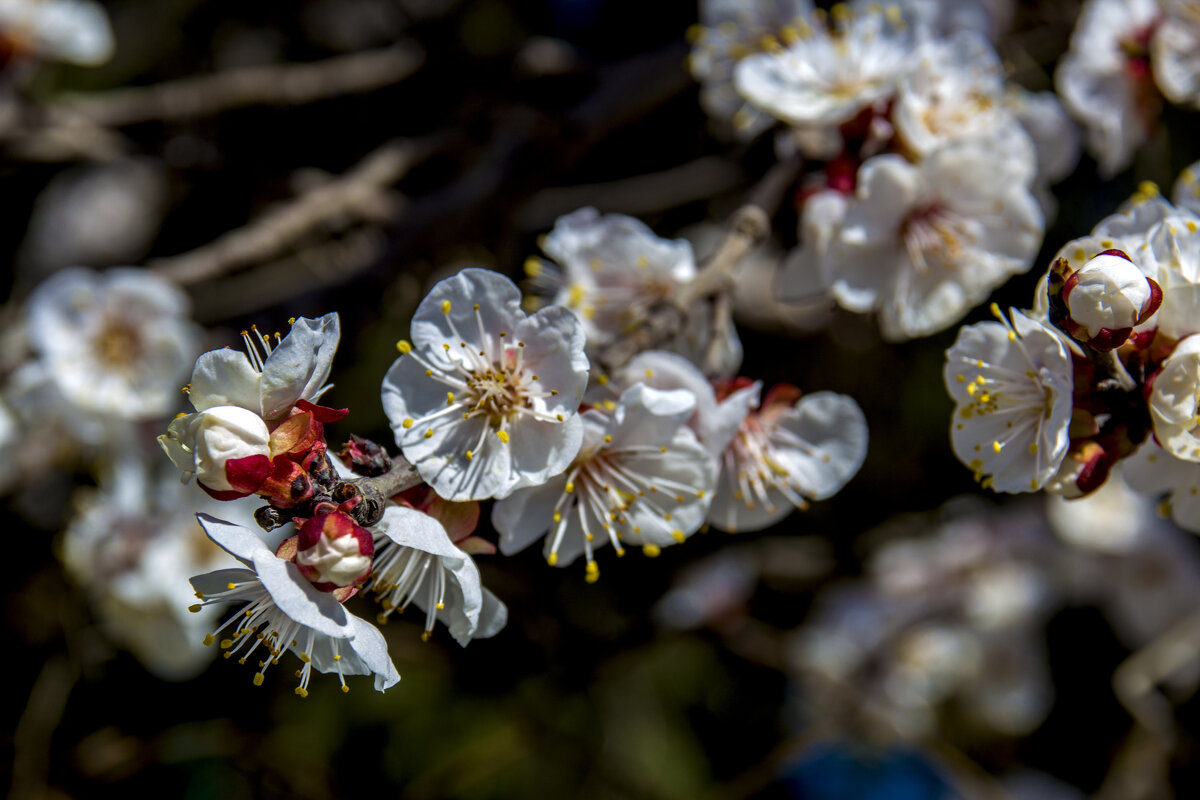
{"x":842,"y":771}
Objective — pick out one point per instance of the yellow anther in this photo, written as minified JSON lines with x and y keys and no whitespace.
{"x":446,"y":347}
{"x":570,"y":487}
{"x":533,"y":266}
{"x":642,"y":262}
{"x":429,"y":433}
{"x":677,"y":535}
{"x":593,"y":572}
{"x":449,"y":398}
{"x":971,"y":389}
{"x":559,"y":417}
{"x":441,"y":606}
{"x":649,"y":373}
{"x":231,"y":586}
{"x":651,"y":550}
{"x":662,"y":449}
{"x":502,"y":436}
{"x":404,"y":346}
{"x":226,"y":644}
{"x":1012,"y":336}
{"x":408,"y":423}
{"x":607,"y":439}
{"x":552,"y":559}
{"x":475,"y":307}
{"x":470,"y":455}
{"x":445,"y":306}
{"x":602,"y":379}
{"x":345,"y":688}
{"x":301,"y":691}
{"x":1033,"y":448}
{"x":208,"y":639}
{"x":258,"y":679}
{"x":195,"y":607}
{"x":428,"y":373}
{"x":557,"y":516}
{"x":997,"y":446}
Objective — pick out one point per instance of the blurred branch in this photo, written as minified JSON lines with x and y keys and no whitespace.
{"x":275,"y":84}
{"x":1137,"y":677}
{"x":34,"y":731}
{"x":358,"y":193}
{"x":81,"y":126}
{"x":747,"y":227}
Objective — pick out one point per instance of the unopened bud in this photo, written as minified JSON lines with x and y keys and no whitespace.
{"x":1107,"y":297}
{"x":203,"y":443}
{"x":332,"y":550}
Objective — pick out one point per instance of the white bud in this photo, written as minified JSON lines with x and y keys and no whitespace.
{"x":1107,"y":292}
{"x":211,"y":438}
{"x":338,"y":561}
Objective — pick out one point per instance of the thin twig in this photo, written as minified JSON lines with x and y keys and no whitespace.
{"x":1136,"y":678}
{"x":356,"y":193}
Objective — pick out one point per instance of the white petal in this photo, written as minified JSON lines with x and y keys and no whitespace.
{"x":240,"y":542}
{"x":298,"y":599}
{"x":299,"y":365}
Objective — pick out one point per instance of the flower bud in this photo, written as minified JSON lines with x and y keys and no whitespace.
{"x":1107,"y":297}
{"x":204,"y":442}
{"x":332,"y":550}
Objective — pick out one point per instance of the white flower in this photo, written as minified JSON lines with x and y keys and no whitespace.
{"x":730,"y":31}
{"x":640,"y":478}
{"x":485,"y":400}
{"x":268,"y":379}
{"x":74,"y":31}
{"x":786,"y":453}
{"x":416,"y":562}
{"x":924,"y":243}
{"x":1011,"y":386}
{"x":116,"y":343}
{"x":1110,"y":293}
{"x":202,"y":443}
{"x":828,"y":74}
{"x":1105,"y":78}
{"x":953,"y":90}
{"x":1152,"y":470}
{"x":1175,"y":401}
{"x":1055,"y":137}
{"x":281,"y":611}
{"x":946,"y":17}
{"x":714,"y":422}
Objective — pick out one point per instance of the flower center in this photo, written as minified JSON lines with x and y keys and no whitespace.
{"x":118,"y":344}
{"x":934,"y":236}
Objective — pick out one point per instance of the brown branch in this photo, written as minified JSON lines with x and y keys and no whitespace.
{"x":357,"y":193}
{"x":748,"y":226}
{"x":376,"y":491}
{"x":275,"y":84}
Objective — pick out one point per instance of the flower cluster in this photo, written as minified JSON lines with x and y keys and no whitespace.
{"x":1102,"y":369}
{"x":932,"y":167}
{"x":257,"y":430}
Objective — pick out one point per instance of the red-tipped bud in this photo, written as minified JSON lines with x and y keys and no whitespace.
{"x":1107,"y":298}
{"x":332,"y":550}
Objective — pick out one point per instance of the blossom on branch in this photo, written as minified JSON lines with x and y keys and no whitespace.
{"x":485,"y":399}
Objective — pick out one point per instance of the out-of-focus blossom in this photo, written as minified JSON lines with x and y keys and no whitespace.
{"x":116,"y":343}
{"x":612,"y":270}
{"x":281,"y":610}
{"x":1175,"y":52}
{"x":640,"y":478}
{"x":1109,"y":520}
{"x":731,"y":30}
{"x":1011,"y":385}
{"x":485,"y":399}
{"x":95,"y":214}
{"x":786,"y":452}
{"x":416,"y":562}
{"x":132,"y":546}
{"x":74,"y":31}
{"x":924,"y":243}
{"x":1106,"y":79}
{"x":830,"y":70}
{"x":1186,"y":192}
{"x":1174,"y":402}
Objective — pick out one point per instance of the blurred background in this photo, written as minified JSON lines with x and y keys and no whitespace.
{"x":912,"y":637}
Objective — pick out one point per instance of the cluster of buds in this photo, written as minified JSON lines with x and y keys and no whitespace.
{"x":1104,"y":369}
